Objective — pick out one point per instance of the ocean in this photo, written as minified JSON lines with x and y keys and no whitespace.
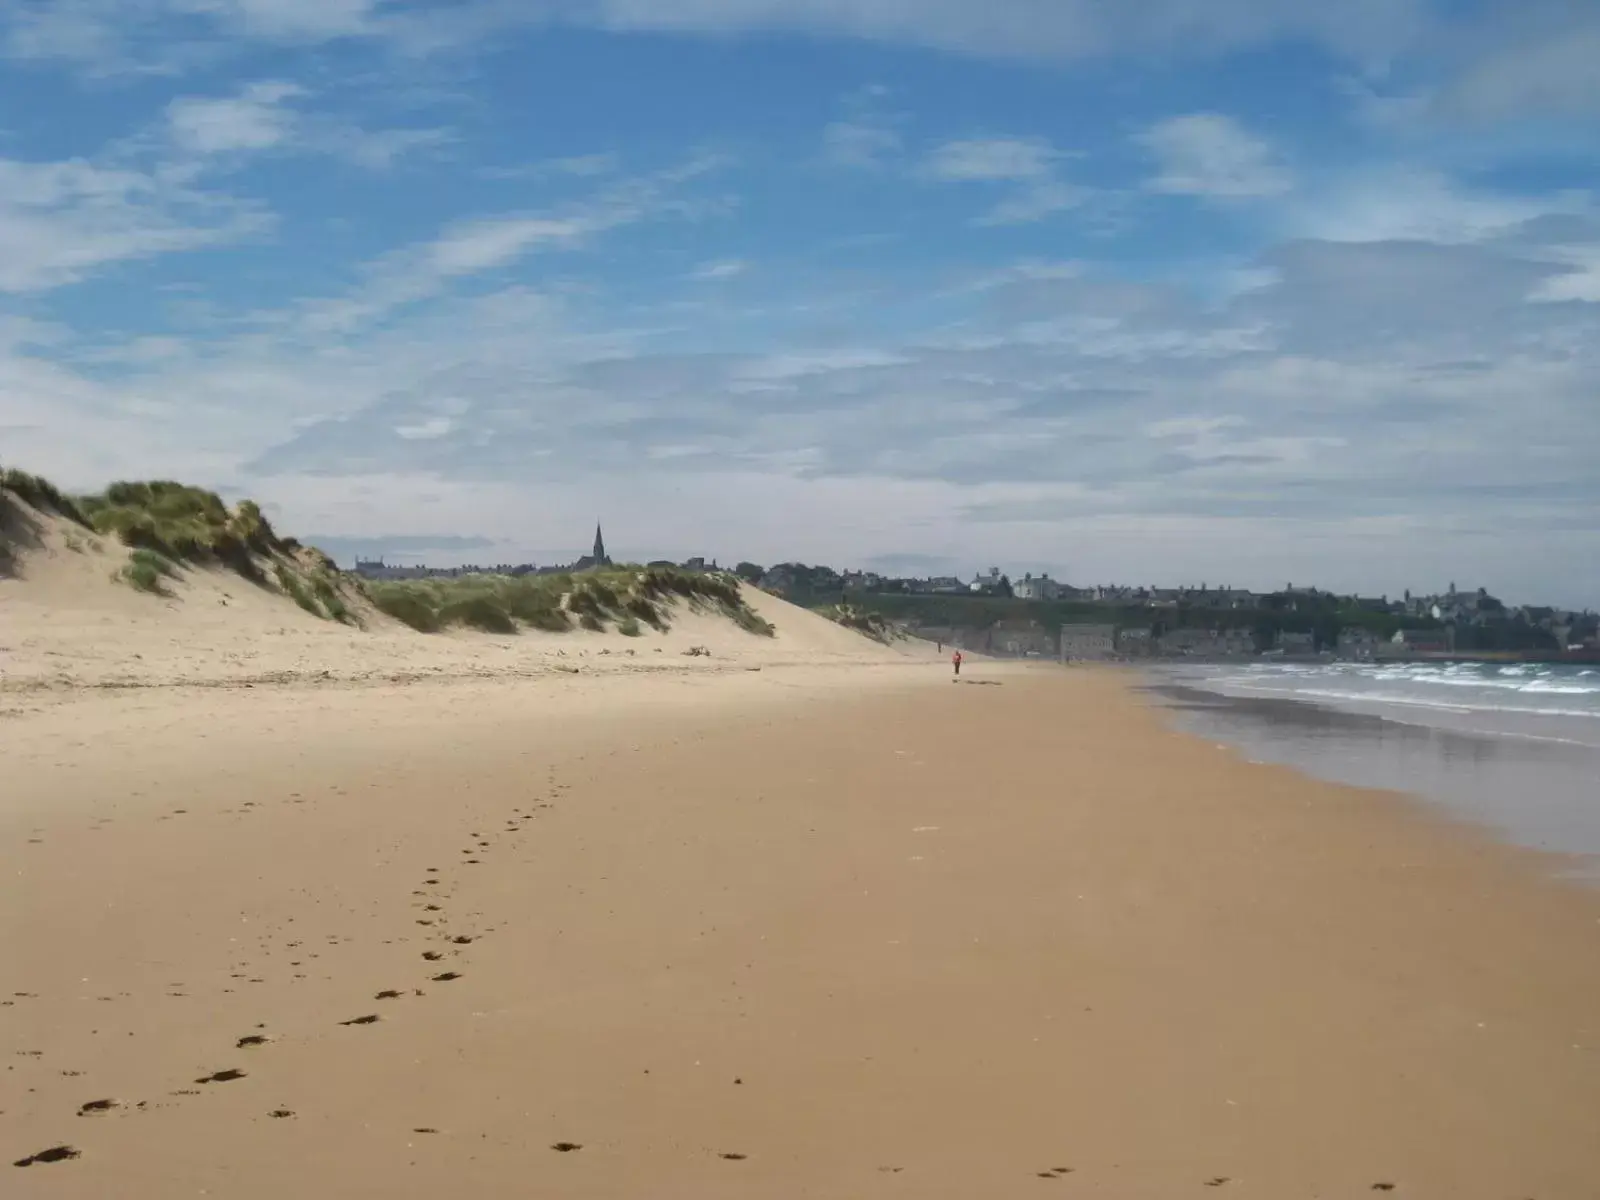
{"x":1514,"y":747}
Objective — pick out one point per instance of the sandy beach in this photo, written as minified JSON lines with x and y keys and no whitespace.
{"x":838,"y":930}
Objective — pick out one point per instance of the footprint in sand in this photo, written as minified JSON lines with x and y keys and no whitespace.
{"x":734,"y":1157}
{"x":96,"y":1107}
{"x":254,"y":1039}
{"x":447,"y":976}
{"x":432,"y":955}
{"x":369,"y":1019}
{"x":227,"y":1076}
{"x":1218,"y":1181}
{"x":387,"y":994}
{"x":566,"y":1147}
{"x":53,"y":1155}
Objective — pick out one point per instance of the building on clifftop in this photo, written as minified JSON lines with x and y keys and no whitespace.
{"x":598,"y":558}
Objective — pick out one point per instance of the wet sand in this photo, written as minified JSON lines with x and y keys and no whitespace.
{"x":1534,"y":791}
{"x":845,"y":931}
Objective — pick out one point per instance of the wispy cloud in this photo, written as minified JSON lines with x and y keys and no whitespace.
{"x":1044,"y":29}
{"x":1029,"y":162}
{"x":998,"y":159}
{"x":867,"y":135}
{"x":726,"y":268}
{"x":61,"y":221}
{"x":1538,"y":58}
{"x":275,"y":116}
{"x":578,"y":166}
{"x":1418,"y":204}
{"x":1036,"y":203}
{"x":478,"y":245}
{"x":1209,"y":154}
{"x":254,"y":119}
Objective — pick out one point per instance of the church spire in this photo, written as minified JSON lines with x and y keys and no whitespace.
{"x":599,"y":545}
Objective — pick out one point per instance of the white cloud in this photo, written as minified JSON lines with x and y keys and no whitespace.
{"x":1541,"y":59}
{"x":578,"y":166}
{"x":1401,"y":204}
{"x":477,"y":245}
{"x":1036,"y":203}
{"x":1000,"y":159}
{"x":288,"y":20}
{"x":255,"y":119}
{"x":726,"y":268}
{"x":425,"y":431}
{"x":109,"y":33}
{"x":60,"y":221}
{"x":1581,"y":281}
{"x":868,"y":135}
{"x":586,"y":166}
{"x":1040,"y":28}
{"x":259,"y":118}
{"x":376,"y":149}
{"x":859,"y":142}
{"x":1147,"y":442}
{"x":474,"y":246}
{"x":1027,"y":162}
{"x":1209,"y":154}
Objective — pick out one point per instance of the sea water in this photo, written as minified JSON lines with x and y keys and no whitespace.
{"x":1512,"y":746}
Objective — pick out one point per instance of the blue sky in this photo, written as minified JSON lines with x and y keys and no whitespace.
{"x":1235,"y":291}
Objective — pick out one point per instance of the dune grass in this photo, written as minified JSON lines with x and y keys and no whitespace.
{"x":869,"y":624}
{"x":185,"y":524}
{"x":624,"y":598}
{"x":180,"y":524}
{"x":41,"y":494}
{"x":169,"y":525}
{"x":147,"y":571}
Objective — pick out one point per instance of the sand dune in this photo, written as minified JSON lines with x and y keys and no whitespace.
{"x":66,"y":622}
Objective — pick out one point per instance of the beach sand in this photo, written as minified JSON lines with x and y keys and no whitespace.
{"x":821,"y":931}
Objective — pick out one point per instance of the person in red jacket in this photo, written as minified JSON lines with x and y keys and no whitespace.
{"x":955,"y":661}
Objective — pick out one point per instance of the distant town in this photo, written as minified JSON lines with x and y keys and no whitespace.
{"x":1037,"y":616}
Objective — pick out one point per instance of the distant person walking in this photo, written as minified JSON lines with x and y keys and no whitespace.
{"x":955,"y":661}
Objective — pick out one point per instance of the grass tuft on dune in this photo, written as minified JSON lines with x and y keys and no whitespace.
{"x":185,"y":524}
{"x":624,"y":598}
{"x":41,"y":494}
{"x":168,"y":525}
{"x":868,"y":624}
{"x":147,"y":571}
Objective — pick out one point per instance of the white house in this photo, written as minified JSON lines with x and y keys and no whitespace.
{"x":1035,"y":587}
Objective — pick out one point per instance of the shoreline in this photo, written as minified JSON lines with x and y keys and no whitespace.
{"x":838,"y":930}
{"x":1527,"y":781}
